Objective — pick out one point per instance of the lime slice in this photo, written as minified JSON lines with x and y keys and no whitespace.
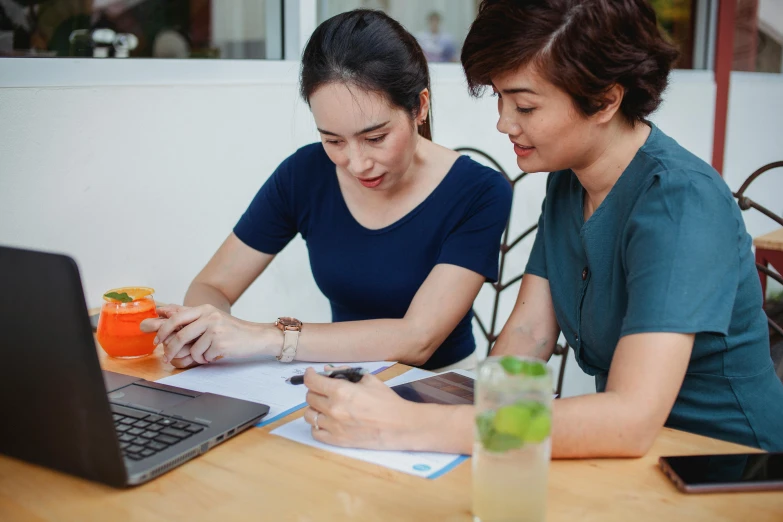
{"x":513,"y":419}
{"x":499,"y":442}
{"x":491,"y":438}
{"x":539,"y":428}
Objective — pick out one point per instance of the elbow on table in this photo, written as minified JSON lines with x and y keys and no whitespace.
{"x":639,"y":440}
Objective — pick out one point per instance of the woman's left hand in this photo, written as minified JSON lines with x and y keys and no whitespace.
{"x":204,"y":334}
{"x":367,"y":414}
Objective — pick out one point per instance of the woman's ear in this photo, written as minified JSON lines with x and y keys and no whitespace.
{"x":613,"y":98}
{"x":424,"y":107}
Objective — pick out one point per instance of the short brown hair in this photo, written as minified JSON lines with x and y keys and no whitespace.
{"x":584,"y":47}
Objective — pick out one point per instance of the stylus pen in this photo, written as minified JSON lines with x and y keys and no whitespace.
{"x":348,"y":374}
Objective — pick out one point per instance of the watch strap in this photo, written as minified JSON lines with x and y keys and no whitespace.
{"x":290,"y":343}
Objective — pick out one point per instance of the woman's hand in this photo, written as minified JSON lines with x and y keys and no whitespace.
{"x":367,"y":414}
{"x":204,"y":334}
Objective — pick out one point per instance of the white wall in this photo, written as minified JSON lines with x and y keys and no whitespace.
{"x":755,"y":138}
{"x":142,"y":183}
{"x":140,"y":169}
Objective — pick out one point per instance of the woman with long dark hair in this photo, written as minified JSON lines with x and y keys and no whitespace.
{"x":401,"y":232}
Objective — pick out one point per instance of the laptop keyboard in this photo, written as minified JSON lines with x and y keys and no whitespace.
{"x":143,"y":434}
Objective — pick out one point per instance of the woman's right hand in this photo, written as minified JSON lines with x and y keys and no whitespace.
{"x":205,"y":334}
{"x":182,"y":359}
{"x":367,"y":414}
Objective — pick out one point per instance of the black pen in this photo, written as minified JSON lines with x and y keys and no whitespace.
{"x":348,"y":374}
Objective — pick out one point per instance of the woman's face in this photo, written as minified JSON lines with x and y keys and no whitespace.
{"x":541,"y":121}
{"x":371,"y":142}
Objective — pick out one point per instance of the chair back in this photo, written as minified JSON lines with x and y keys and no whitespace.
{"x":487,"y":320}
{"x":774,"y":310}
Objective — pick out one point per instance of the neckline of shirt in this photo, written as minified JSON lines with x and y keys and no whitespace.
{"x":624,"y":177}
{"x":407,"y":217}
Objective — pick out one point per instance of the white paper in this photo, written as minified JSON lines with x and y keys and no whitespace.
{"x":423,"y":464}
{"x":257,"y":381}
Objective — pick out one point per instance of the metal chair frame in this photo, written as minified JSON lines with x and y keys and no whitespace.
{"x":745,"y":203}
{"x":491,"y":333}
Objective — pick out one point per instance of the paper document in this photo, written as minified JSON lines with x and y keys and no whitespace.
{"x":422,"y":464}
{"x":257,"y":381}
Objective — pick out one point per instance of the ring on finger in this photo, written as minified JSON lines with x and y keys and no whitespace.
{"x":315,"y":420}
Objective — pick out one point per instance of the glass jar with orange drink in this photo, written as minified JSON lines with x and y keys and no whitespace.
{"x":119,"y":332}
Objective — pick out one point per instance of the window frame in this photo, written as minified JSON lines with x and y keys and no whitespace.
{"x":298,"y":21}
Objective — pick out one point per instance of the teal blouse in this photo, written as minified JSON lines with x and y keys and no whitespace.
{"x":666,"y":251}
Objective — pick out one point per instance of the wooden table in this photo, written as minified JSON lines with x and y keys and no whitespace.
{"x":258,"y":476}
{"x":769,"y":251}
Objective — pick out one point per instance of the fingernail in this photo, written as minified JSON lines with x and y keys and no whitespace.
{"x":165,"y":359}
{"x":156,"y":340}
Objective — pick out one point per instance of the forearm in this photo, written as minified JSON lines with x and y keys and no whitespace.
{"x":435,"y":427}
{"x":590,"y":426}
{"x":372,"y":340}
{"x":201,"y":294}
{"x":523,"y":341}
{"x":600,"y":425}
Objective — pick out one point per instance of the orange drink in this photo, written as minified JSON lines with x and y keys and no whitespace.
{"x":119,"y":332}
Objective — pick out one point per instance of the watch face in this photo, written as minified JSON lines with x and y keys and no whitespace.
{"x":289,"y":321}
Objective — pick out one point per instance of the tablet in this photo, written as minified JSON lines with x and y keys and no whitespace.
{"x":443,"y":388}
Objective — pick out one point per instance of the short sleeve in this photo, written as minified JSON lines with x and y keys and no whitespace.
{"x":475,"y":242}
{"x":681,"y":256}
{"x":270,"y":223}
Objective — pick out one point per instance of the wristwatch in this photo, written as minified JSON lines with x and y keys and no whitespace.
{"x":290,"y":328}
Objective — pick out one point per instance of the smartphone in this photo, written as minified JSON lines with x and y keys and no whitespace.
{"x":723,"y":473}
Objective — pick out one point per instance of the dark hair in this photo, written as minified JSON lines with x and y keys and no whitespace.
{"x":584,"y":47}
{"x":373,"y":51}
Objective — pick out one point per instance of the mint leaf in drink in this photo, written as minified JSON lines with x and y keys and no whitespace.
{"x":122,"y":298}
{"x":512,"y":365}
{"x":484,"y":425}
{"x":535,"y":407}
{"x":534,"y":368}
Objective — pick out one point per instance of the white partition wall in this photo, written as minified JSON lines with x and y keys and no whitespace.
{"x":754,"y":138}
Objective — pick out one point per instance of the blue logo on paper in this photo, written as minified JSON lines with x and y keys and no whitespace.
{"x":421,"y":467}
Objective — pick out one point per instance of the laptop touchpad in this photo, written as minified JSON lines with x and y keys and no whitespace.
{"x":135,"y":395}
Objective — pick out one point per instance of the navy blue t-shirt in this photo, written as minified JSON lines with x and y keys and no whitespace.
{"x":374,"y":274}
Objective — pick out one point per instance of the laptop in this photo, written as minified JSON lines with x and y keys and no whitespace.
{"x":61,"y":411}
